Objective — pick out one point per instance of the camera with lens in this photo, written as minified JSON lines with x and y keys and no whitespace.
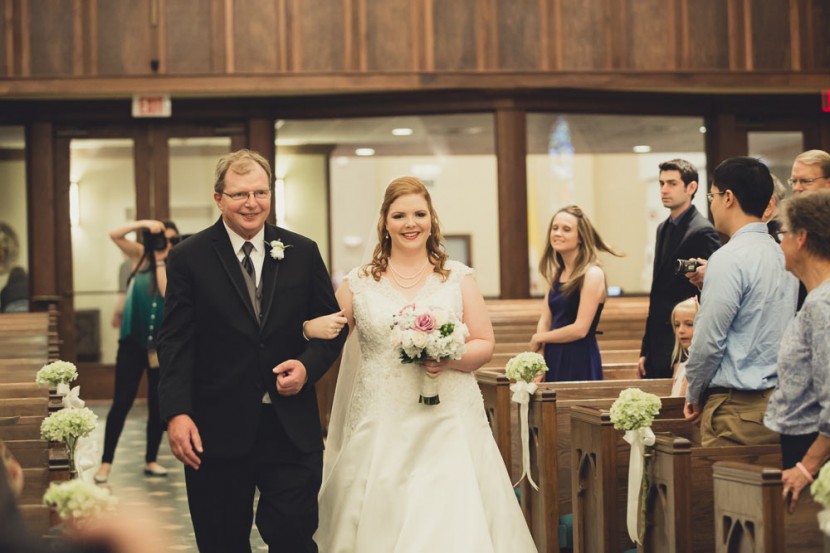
{"x":683,"y":266}
{"x":154,"y":241}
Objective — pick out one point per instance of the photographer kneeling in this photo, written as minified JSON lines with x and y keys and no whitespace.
{"x":143,"y":312}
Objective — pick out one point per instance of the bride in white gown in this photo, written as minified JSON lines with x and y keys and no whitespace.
{"x":400,"y":476}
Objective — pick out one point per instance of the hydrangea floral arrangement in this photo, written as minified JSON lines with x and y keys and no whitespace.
{"x":68,"y":425}
{"x":57,"y":375}
{"x":421,"y":333}
{"x":523,"y":368}
{"x":76,"y":500}
{"x":634,"y":411}
{"x":821,"y":493}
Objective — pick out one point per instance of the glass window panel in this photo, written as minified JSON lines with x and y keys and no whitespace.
{"x":590,"y":160}
{"x":192,"y":166}
{"x":102,"y":197}
{"x":453,"y":154}
{"x":777,"y":150}
{"x":14,"y":243}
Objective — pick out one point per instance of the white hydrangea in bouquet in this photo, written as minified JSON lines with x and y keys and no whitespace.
{"x":77,"y":500}
{"x":68,"y":426}
{"x":634,"y":411}
{"x":523,"y":368}
{"x":821,"y":493}
{"x":57,"y":374}
{"x":420,"y":333}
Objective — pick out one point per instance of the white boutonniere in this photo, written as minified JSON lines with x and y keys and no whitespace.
{"x":278,"y":249}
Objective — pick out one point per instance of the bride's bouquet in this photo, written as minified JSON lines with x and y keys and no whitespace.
{"x":420,"y":333}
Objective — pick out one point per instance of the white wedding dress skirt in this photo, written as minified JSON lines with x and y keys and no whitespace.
{"x":409,"y":477}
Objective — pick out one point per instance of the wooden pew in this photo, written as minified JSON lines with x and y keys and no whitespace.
{"x":599,"y":482}
{"x":551,"y":409}
{"x":751,"y":518}
{"x":681,"y":500}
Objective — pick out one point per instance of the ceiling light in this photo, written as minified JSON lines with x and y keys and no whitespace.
{"x":403,"y":131}
{"x":364,"y":152}
{"x":702,"y":129}
{"x":642,"y":149}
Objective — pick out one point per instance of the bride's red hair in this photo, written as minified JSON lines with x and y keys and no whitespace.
{"x":403,"y":186}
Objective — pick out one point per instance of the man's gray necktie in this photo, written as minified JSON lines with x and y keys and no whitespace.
{"x":247,"y":264}
{"x":250,"y":280}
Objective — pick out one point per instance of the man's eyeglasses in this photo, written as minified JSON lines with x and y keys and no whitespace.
{"x":711,"y":195}
{"x":780,"y":235}
{"x":243,"y":196}
{"x":803,"y":182}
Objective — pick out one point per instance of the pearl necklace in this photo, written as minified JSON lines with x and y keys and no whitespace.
{"x":415,"y":277}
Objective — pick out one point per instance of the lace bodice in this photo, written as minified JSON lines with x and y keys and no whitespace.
{"x":383,"y":385}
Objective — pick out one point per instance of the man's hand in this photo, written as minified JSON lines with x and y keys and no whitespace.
{"x":291,"y":377}
{"x":641,"y":367}
{"x":696,"y":277}
{"x":185,"y":441}
{"x":692,"y":412}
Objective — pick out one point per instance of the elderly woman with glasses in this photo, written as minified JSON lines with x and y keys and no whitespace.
{"x":799,"y":409}
{"x":142,"y":314}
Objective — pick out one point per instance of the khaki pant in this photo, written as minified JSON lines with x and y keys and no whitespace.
{"x":736,"y":418}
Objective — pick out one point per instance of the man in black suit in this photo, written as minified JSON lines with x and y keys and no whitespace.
{"x":237,"y":374}
{"x":686,"y":234}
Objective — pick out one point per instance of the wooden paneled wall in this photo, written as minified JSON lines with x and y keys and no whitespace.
{"x":70,"y":39}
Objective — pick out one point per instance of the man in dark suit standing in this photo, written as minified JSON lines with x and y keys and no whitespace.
{"x":686,"y":234}
{"x":237,"y":374}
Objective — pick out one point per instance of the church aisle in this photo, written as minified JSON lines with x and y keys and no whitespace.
{"x":167,"y":496}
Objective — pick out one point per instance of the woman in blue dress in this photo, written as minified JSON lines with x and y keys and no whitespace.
{"x":566,"y":333}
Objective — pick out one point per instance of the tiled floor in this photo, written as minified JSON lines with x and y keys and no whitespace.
{"x":167,"y":497}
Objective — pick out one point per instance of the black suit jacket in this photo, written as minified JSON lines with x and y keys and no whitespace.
{"x":216,"y":358}
{"x":697,"y":238}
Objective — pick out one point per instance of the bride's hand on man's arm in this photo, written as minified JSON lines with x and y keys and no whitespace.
{"x":325,"y":327}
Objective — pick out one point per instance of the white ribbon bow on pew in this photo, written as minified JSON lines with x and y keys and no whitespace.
{"x":638,"y":439}
{"x":72,"y":399}
{"x":521,"y":395}
{"x":62,"y":389}
{"x":86,"y":458}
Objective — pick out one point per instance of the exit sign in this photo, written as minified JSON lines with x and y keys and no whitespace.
{"x":152,"y":105}
{"x":825,"y":101}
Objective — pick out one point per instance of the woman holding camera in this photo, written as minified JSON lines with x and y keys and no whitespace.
{"x":143,"y":312}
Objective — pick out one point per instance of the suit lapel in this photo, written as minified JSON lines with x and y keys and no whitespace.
{"x":270,"y":270}
{"x":683,"y":231}
{"x":230,"y":263}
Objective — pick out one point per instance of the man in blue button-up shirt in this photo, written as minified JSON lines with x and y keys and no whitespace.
{"x":748,"y":299}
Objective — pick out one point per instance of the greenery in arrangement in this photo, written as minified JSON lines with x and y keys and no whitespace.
{"x":821,"y":487}
{"x":58,"y":372}
{"x":75,"y":500}
{"x":525,"y":367}
{"x":67,"y":425}
{"x":634,"y":409}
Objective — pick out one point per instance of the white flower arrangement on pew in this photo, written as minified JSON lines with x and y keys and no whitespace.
{"x":523,"y":368}
{"x":77,"y":501}
{"x":57,"y":374}
{"x":634,"y":412}
{"x":821,"y":493}
{"x":421,"y":333}
{"x":70,"y":426}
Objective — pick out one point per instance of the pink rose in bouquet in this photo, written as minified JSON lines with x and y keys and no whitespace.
{"x":427,"y":333}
